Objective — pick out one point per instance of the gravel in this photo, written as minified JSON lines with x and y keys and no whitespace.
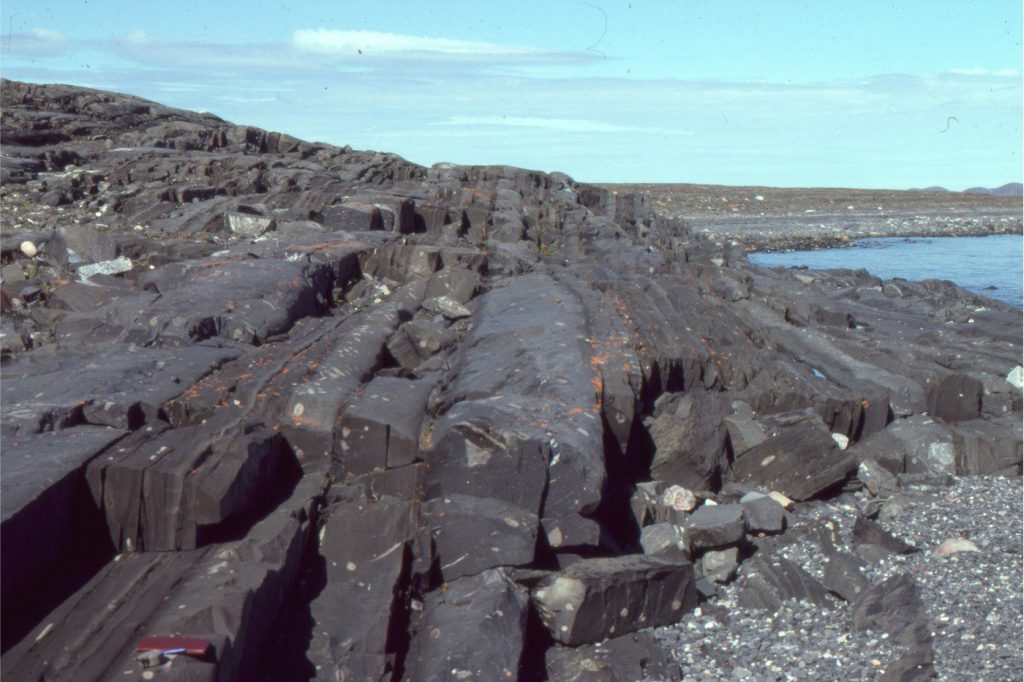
{"x":973,"y":599}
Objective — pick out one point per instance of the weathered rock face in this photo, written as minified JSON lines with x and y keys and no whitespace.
{"x":392,"y":422}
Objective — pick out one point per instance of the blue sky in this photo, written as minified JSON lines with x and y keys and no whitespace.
{"x":788,"y":93}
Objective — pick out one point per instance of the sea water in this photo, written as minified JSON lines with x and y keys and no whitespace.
{"x":992,"y":266}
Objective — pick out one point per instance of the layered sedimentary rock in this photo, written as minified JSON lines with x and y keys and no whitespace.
{"x":346,"y":417}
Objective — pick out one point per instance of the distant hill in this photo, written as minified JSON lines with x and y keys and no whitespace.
{"x":1010,"y":189}
{"x":933,"y":188}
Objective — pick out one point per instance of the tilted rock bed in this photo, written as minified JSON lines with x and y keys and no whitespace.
{"x":346,"y":417}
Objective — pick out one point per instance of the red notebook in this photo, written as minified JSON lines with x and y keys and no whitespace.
{"x":193,"y":646}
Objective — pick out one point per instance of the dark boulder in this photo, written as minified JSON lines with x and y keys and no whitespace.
{"x":599,"y":598}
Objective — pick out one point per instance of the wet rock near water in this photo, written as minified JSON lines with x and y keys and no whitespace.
{"x":340,"y":416}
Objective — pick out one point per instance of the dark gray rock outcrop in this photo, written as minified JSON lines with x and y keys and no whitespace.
{"x":346,"y":416}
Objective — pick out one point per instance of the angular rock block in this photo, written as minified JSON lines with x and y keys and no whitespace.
{"x":352,"y":217}
{"x":473,"y":630}
{"x":988,"y":446}
{"x":714,"y":526}
{"x":470,"y":460}
{"x":800,"y":462}
{"x":720,"y":565}
{"x":246,"y":225}
{"x":74,"y":245}
{"x":744,"y":433}
{"x":690,"y":439}
{"x":365,"y":548}
{"x":665,"y":538}
{"x":472,"y":534}
{"x":446,"y":307}
{"x":638,"y":656}
{"x":879,"y":481}
{"x":240,"y":590}
{"x":456,"y":284}
{"x":767,"y":581}
{"x":230,"y":596}
{"x":403,"y":262}
{"x":762,"y":513}
{"x":417,"y":341}
{"x":599,"y":598}
{"x":380,"y":429}
{"x":956,"y":398}
{"x":164,"y":493}
{"x":526,"y":366}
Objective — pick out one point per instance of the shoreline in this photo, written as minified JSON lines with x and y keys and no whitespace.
{"x":767,"y":219}
{"x":792,"y":243}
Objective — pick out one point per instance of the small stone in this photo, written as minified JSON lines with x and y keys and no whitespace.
{"x":448,"y":307}
{"x":841,"y":440}
{"x":716,"y":526}
{"x":763,"y":514}
{"x":955,"y":545}
{"x":664,"y":537}
{"x":781,"y":499}
{"x":1015,"y":377}
{"x":107,"y":267}
{"x":679,"y":498}
{"x":30,"y":250}
{"x":877,"y":479}
{"x":721,"y":565}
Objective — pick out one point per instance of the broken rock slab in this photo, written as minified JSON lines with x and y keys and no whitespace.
{"x":800,"y":462}
{"x":247,"y":225}
{"x":744,"y":432}
{"x":364,"y":546}
{"x":116,"y":266}
{"x":380,"y":429}
{"x":767,"y":581}
{"x":447,"y":307}
{"x":868,"y":533}
{"x":599,"y":598}
{"x":472,"y":630}
{"x":763,"y":514}
{"x":878,"y":480}
{"x":689,"y":438}
{"x":472,"y":534}
{"x":714,"y":526}
{"x":895,"y":608}
{"x":665,"y":538}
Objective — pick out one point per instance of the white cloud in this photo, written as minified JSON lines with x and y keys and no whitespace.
{"x":39,"y":42}
{"x":143,"y":48}
{"x":329,"y":41}
{"x":564,"y":125}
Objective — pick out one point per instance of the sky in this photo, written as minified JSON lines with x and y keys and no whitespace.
{"x":768,"y":92}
